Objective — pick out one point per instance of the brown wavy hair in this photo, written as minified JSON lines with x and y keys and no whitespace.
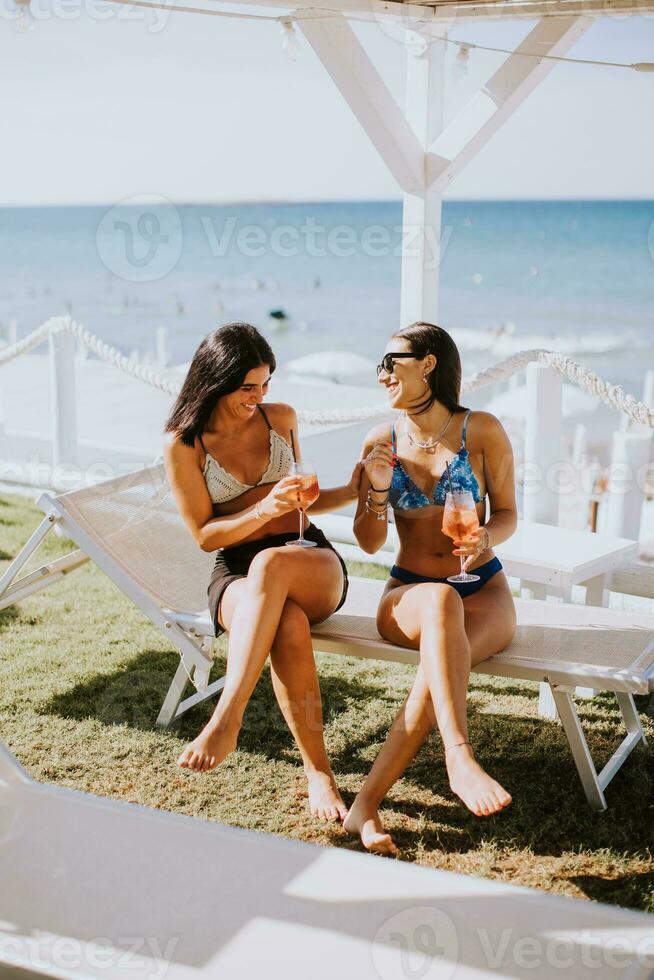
{"x":219,"y":367}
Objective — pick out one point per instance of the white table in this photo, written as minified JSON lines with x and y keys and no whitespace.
{"x":549,"y":560}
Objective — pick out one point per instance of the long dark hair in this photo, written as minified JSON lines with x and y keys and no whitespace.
{"x":445,"y":379}
{"x":218,"y":368}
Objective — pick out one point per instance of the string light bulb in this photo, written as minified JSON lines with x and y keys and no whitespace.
{"x":23,"y":22}
{"x":460,"y":66}
{"x":290,"y":43}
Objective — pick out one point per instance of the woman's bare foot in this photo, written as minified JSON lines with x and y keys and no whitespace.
{"x":479,"y":791}
{"x":363,"y":819}
{"x":213,"y":744}
{"x":325,"y":801}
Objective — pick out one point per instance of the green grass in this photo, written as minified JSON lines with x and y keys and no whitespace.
{"x":83,"y":674}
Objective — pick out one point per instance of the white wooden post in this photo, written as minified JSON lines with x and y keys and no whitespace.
{"x":631,"y":455}
{"x":422,"y":211}
{"x":648,"y":389}
{"x":580,"y":444}
{"x":543,"y":434}
{"x":3,"y":452}
{"x":62,"y":396}
{"x":161,"y":347}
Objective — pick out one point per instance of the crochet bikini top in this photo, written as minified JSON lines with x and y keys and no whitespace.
{"x":223,"y":486}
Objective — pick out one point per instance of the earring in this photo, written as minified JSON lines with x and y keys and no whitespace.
{"x":425,"y":380}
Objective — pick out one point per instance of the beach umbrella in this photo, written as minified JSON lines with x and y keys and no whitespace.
{"x":512,"y":404}
{"x":333,"y":364}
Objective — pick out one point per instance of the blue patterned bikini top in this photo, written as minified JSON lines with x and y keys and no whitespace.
{"x":405,"y":495}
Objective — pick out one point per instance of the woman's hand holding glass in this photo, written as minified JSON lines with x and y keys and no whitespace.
{"x":282,"y":499}
{"x":474,"y":545}
{"x":461,"y":523}
{"x":379,"y":466}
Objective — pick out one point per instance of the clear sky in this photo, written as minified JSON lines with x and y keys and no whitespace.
{"x":104,"y":103}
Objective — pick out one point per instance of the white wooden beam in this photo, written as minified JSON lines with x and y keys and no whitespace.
{"x":421,"y":251}
{"x":475,"y":10}
{"x":364,"y":90}
{"x":437,"y":12}
{"x":506,"y":90}
{"x":407,"y":14}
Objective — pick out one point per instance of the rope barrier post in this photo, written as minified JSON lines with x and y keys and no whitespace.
{"x":62,"y":395}
{"x":3,"y":437}
{"x":629,"y":464}
{"x":161,"y":347}
{"x":543,"y":435}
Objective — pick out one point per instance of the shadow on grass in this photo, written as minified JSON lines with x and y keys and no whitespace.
{"x":8,"y":616}
{"x":627,"y":890}
{"x":506,"y":690}
{"x":134,"y":694}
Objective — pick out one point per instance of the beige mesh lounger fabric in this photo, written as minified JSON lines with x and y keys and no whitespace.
{"x":131,"y":529}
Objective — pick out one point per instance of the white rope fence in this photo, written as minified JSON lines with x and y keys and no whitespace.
{"x":612,"y":395}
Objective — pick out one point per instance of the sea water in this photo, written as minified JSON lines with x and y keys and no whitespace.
{"x":576,"y":276}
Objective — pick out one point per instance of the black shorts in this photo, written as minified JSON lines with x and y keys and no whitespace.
{"x":233,"y":563}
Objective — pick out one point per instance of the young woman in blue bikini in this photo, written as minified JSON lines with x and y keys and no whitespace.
{"x":453,"y":626}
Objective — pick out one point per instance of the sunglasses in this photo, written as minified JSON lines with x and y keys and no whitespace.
{"x":388,"y":362}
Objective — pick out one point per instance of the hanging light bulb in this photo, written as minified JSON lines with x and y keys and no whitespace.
{"x":290,"y":44}
{"x":24,"y":19}
{"x":460,"y":66}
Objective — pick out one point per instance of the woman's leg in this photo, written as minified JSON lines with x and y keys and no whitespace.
{"x":296,"y":686}
{"x":251,"y":610}
{"x":489,"y":624}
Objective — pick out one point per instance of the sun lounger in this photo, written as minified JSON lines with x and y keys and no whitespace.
{"x":131,"y":529}
{"x":96,"y":888}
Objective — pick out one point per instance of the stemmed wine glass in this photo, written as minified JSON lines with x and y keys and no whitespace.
{"x":460,"y":520}
{"x":309,"y":493}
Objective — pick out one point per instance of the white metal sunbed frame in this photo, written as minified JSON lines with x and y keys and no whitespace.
{"x":99,"y":889}
{"x":131,"y":529}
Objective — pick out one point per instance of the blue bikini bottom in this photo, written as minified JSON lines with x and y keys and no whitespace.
{"x":485,"y":573}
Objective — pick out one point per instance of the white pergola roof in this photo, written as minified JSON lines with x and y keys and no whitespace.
{"x":450,"y":12}
{"x":424,"y":154}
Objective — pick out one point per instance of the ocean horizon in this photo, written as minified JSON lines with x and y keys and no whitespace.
{"x":574,"y":275}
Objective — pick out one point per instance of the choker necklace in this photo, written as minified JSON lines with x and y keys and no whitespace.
{"x":429,"y":445}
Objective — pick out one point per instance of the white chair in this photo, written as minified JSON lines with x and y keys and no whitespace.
{"x":131,"y":529}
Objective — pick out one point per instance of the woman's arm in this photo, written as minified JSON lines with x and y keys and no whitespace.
{"x":331,"y":498}
{"x":195,"y":506}
{"x":336,"y":497}
{"x":370,"y":528}
{"x":499,"y":474}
